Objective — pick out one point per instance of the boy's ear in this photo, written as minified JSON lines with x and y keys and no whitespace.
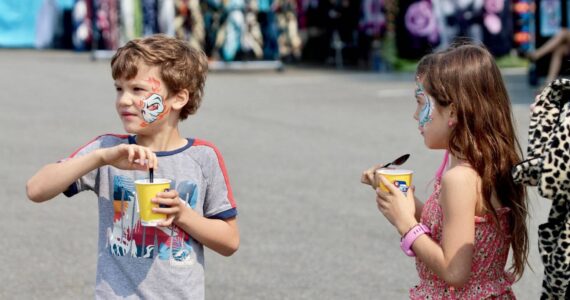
{"x":180,"y":99}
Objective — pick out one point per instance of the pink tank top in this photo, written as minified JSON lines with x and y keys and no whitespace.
{"x":488,"y":280}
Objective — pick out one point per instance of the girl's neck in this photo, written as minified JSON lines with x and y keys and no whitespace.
{"x":167,"y":140}
{"x":454,"y":161}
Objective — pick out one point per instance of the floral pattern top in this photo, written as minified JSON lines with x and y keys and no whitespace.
{"x":488,"y":280}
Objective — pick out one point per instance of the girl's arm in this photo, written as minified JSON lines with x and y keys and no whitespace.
{"x":452,"y":260}
{"x":419,"y":207}
{"x":221,"y":236}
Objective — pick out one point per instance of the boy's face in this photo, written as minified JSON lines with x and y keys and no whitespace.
{"x":141,"y":101}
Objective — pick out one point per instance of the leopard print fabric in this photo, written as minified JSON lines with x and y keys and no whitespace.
{"x":547,"y":166}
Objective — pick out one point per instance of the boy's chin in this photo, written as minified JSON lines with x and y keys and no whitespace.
{"x":133,"y":129}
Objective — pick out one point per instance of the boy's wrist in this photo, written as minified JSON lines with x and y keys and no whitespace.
{"x":182,"y":214}
{"x":100,"y":158}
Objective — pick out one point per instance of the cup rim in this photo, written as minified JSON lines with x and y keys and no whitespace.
{"x":394,"y":171}
{"x":155,"y":181}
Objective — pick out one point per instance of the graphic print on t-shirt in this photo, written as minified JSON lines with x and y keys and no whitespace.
{"x":128,"y":238}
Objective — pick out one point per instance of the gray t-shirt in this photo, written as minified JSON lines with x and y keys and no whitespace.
{"x":154,"y":262}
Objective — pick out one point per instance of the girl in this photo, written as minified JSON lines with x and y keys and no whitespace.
{"x":462,"y":234}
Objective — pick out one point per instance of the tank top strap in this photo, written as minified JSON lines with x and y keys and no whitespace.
{"x":443,"y":165}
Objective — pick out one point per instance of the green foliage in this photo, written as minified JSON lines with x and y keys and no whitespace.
{"x":389,"y":53}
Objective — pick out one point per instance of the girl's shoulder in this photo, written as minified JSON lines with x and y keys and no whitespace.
{"x":461,"y":175}
{"x":460,"y":183}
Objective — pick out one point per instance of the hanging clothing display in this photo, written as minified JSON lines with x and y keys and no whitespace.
{"x":106,"y":24}
{"x":45,"y":24}
{"x":417,"y":31}
{"x":523,"y":25}
{"x":498,"y":26}
{"x":17,"y":24}
{"x":150,"y":17}
{"x":82,"y":28}
{"x":289,"y":40}
{"x":189,"y":23}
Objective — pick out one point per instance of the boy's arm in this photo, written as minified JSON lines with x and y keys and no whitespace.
{"x":53,"y":179}
{"x":219,"y":235}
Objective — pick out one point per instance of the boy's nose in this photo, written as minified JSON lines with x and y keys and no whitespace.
{"x":125,"y":100}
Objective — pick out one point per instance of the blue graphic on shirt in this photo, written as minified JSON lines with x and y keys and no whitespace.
{"x":188,"y":192}
{"x":128,"y":238}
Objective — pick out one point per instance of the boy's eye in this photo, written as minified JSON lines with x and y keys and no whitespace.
{"x":118,"y":89}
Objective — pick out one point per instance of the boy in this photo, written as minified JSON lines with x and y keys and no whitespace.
{"x":159,"y":82}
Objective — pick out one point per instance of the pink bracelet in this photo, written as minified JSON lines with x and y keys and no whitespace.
{"x":410,"y":237}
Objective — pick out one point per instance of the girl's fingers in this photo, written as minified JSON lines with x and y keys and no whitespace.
{"x":411,"y":192}
{"x":390,"y":186}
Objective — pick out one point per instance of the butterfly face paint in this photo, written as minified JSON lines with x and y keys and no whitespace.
{"x":152,"y":108}
{"x":427,"y":110}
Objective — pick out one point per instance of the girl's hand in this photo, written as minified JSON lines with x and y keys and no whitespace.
{"x":398,"y":208}
{"x":368,"y":176}
{"x":172,"y":206}
{"x":129,"y":157}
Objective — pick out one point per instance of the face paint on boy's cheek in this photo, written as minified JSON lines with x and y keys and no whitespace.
{"x":153,"y":109}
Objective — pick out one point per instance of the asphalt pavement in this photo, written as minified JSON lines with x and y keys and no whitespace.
{"x":294,"y":142}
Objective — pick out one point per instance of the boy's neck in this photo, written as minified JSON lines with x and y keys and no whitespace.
{"x":164,"y":141}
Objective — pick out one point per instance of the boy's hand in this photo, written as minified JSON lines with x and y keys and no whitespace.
{"x":129,"y":157}
{"x":171,"y":204}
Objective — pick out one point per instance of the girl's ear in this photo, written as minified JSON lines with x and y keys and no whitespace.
{"x":180,"y":99}
{"x":453,"y":112}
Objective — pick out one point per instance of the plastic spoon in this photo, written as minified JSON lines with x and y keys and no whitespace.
{"x":398,"y":161}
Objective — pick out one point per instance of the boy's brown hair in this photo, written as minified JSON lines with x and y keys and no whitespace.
{"x":181,"y":66}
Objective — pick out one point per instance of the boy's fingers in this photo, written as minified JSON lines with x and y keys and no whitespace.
{"x":142,"y":156}
{"x":153,"y":161}
{"x":130,"y":154}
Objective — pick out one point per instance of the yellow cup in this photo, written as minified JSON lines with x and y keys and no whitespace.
{"x":400,"y":178}
{"x":145,"y":192}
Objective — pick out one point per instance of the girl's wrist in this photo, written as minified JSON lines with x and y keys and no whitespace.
{"x":406,"y":226}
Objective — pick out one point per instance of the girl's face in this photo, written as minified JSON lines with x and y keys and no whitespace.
{"x":433,"y":119}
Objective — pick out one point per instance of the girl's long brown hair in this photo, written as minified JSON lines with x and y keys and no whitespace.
{"x":467,"y":76}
